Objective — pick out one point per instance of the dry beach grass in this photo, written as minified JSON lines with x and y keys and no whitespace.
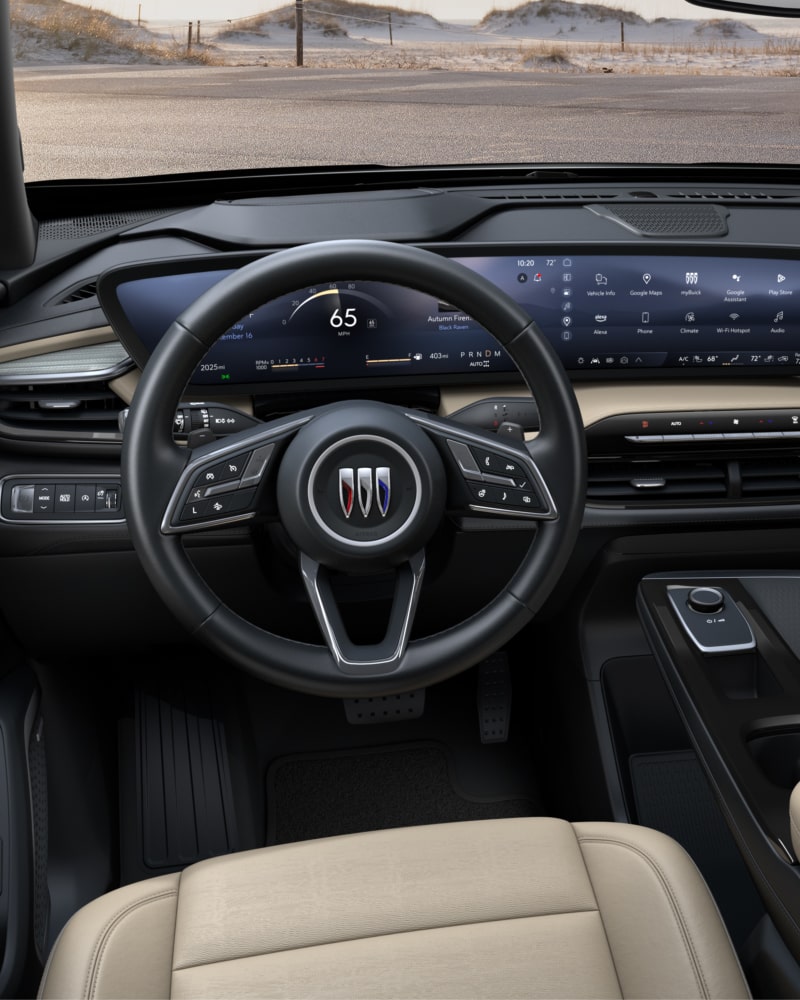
{"x":342,"y":34}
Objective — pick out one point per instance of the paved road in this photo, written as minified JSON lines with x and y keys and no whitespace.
{"x":111,"y":120}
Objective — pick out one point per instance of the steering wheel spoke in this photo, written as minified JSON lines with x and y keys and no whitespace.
{"x":489,"y":477}
{"x":224,"y":481}
{"x":379,"y":658}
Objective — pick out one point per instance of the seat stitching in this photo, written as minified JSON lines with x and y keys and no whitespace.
{"x":104,"y":936}
{"x":372,"y":937}
{"x":600,"y":913}
{"x":686,"y":934}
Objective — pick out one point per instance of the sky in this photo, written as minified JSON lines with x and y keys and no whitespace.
{"x":444,"y":10}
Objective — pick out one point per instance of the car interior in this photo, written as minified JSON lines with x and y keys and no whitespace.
{"x":399,"y":580}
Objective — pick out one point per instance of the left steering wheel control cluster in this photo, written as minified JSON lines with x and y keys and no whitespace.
{"x":61,"y":499}
{"x":222,"y":483}
{"x":226,"y":487}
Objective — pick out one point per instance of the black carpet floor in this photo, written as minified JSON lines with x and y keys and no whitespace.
{"x":320,"y":795}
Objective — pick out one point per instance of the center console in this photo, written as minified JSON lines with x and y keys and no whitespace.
{"x":729,"y":648}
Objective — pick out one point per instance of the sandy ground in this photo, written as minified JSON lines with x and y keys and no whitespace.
{"x":560,"y":45}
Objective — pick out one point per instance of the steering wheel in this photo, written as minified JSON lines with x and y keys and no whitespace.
{"x":360,"y":487}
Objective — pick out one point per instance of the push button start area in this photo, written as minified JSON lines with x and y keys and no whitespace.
{"x":361,"y":488}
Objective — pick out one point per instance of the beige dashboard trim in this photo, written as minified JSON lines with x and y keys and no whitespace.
{"x":597,"y":401}
{"x":457,"y":397}
{"x":62,"y":342}
{"x":125,"y":387}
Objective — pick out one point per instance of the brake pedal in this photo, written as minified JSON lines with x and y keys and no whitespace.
{"x":494,"y":698}
{"x":385,"y":708}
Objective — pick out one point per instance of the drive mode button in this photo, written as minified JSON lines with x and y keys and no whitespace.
{"x":45,"y":499}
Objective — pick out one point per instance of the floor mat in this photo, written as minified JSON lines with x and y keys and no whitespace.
{"x":321,"y":795}
{"x":176,"y":799}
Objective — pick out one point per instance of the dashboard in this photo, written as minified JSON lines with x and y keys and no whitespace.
{"x":605,"y":314}
{"x":669,"y":294}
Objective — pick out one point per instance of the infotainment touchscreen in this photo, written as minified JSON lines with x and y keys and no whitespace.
{"x":609,"y":313}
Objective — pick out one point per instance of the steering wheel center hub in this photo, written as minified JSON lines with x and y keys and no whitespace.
{"x":361,"y":487}
{"x":364,"y":490}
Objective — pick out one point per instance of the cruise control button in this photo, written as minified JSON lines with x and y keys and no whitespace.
{"x":499,"y":465}
{"x":231,"y":468}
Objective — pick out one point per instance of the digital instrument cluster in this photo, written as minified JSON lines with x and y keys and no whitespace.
{"x":606,"y":313}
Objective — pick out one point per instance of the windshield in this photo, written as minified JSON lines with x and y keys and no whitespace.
{"x":168,"y":86}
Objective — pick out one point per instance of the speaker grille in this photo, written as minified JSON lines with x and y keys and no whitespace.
{"x":669,"y":221}
{"x":81,"y":227}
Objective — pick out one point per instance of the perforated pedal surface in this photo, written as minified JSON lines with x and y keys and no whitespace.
{"x":494,"y":698}
{"x":385,"y":708}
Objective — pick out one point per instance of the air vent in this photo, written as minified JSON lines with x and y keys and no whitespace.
{"x":652,"y":482}
{"x":82,"y":227}
{"x":539,"y":197}
{"x":770,"y":478}
{"x":74,"y":412}
{"x":79,"y":294}
{"x":731,"y":196}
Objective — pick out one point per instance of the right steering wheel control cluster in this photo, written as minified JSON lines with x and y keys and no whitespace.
{"x":496,"y":481}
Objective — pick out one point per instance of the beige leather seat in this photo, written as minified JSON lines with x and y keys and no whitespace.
{"x":502,"y":908}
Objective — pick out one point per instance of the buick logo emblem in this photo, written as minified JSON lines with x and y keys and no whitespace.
{"x":372,"y":485}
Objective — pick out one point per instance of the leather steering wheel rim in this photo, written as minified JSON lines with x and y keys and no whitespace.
{"x":152,"y":462}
